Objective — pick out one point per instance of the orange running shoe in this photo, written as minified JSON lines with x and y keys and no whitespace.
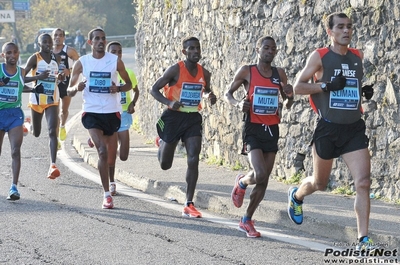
{"x":237,"y":194}
{"x":248,"y":227}
{"x":53,"y":172}
{"x":191,"y":211}
{"x":108,"y":203}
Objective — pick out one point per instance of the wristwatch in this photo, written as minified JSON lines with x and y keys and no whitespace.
{"x":324,"y":87}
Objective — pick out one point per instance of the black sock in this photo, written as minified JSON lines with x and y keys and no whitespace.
{"x":296,"y":200}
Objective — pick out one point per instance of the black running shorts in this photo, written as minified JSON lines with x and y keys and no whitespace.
{"x":332,"y":140}
{"x":260,"y":136}
{"x":109,"y":123}
{"x":62,"y":88}
{"x":175,"y":125}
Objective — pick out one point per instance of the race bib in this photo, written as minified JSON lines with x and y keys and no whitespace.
{"x":123,"y":98}
{"x":191,"y":94}
{"x":9,"y":92}
{"x":49,"y":83}
{"x":265,"y":100}
{"x":99,"y":82}
{"x":348,"y":98}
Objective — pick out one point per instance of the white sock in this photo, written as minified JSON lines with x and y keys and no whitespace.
{"x":107,"y":194}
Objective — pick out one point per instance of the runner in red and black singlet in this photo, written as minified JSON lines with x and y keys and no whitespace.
{"x":266,"y":89}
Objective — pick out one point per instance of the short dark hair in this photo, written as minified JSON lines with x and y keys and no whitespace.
{"x":262,"y":39}
{"x":8,"y":43}
{"x":41,"y":36}
{"x":63,"y":31}
{"x":187,"y":39}
{"x":329,"y":19}
{"x":90,"y":34}
{"x":113,"y":43}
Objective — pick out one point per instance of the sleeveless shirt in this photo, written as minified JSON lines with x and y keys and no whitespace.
{"x":65,"y":62}
{"x":188,"y":89}
{"x":344,"y":106}
{"x":126,"y":97}
{"x":51,"y":94}
{"x":264,"y":97}
{"x":100,"y":73}
{"x":10,"y":94}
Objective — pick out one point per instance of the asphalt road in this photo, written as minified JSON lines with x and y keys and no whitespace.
{"x":61,"y":221}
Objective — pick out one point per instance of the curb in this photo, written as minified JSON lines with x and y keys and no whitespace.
{"x":265,"y":212}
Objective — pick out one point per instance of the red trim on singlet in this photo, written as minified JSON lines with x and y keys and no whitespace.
{"x":322,"y":52}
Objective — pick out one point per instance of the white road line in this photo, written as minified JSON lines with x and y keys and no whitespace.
{"x":126,"y":190}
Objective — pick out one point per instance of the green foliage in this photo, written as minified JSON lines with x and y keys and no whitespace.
{"x":237,"y":166}
{"x":384,"y":102}
{"x":135,"y":125}
{"x":385,"y":199}
{"x":213,"y":160}
{"x":149,"y":141}
{"x":168,"y":4}
{"x":295,"y":178}
{"x":348,"y":11}
{"x":179,"y":5}
{"x":114,"y":17}
{"x":343,"y":190}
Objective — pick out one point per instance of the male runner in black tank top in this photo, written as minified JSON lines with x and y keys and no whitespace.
{"x":68,"y":56}
{"x":336,"y":93}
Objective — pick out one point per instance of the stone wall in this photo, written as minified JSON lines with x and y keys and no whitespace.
{"x":228,"y":31}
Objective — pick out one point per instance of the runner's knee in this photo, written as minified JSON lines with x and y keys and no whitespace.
{"x":362,"y":183}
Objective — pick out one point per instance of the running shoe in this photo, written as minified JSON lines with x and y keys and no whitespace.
{"x":13,"y":195}
{"x":90,"y":143}
{"x":366,"y":244}
{"x":158,"y":141}
{"x":113,"y":189}
{"x":108,"y":203}
{"x":295,"y":209}
{"x":248,"y":227}
{"x":25,"y":129}
{"x":53,"y":172}
{"x":237,"y":194}
{"x":191,"y":211}
{"x":26,"y":126}
{"x":58,"y":145}
{"x":62,"y":134}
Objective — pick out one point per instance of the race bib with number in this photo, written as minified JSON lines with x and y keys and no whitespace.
{"x":100,"y":82}
{"x":123,"y":98}
{"x":191,"y":94}
{"x":49,"y":85}
{"x":265,"y":100}
{"x":348,"y":98}
{"x":9,"y":92}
